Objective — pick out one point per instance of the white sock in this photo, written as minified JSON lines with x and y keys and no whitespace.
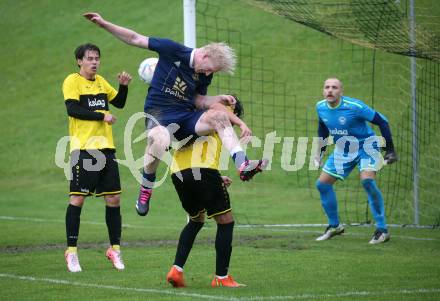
{"x":236,"y":150}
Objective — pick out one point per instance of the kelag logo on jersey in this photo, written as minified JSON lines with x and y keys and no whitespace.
{"x":339,"y":132}
{"x":94,"y":102}
{"x":178,"y":89}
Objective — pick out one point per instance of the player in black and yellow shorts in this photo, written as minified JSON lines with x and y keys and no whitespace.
{"x":202,"y":190}
{"x":100,"y":179}
{"x":87,"y":96}
{"x":208,"y":194}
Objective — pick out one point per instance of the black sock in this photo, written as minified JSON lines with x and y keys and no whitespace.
{"x":223,"y":248}
{"x":186,"y":240}
{"x":73,"y":214}
{"x":114,"y":223}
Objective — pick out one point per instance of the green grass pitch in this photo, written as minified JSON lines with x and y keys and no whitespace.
{"x":276,"y":262}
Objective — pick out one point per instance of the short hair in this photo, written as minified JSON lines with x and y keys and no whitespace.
{"x":334,"y":77}
{"x":238,"y":108}
{"x":80,"y":51}
{"x":222,"y":55}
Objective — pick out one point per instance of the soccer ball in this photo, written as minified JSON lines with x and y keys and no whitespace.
{"x":146,"y":69}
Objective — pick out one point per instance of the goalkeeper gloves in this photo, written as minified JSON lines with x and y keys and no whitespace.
{"x":390,"y":157}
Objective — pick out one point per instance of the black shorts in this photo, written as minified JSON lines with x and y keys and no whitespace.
{"x":92,"y":177}
{"x":207,"y":193}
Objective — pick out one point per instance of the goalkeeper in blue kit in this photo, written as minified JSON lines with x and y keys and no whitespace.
{"x":345,"y":119}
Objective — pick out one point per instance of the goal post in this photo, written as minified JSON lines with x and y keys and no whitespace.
{"x":189,"y":23}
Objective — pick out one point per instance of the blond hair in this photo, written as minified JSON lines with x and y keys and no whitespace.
{"x":222,"y":55}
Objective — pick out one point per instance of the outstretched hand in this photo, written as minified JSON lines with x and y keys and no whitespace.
{"x":94,"y":17}
{"x":109,"y":118}
{"x":124,"y":78}
{"x":245,"y":134}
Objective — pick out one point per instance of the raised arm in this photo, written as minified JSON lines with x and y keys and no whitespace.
{"x":204,"y":102}
{"x":124,"y":34}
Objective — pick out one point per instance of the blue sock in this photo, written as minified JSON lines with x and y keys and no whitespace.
{"x":328,"y":202}
{"x":239,"y":157}
{"x":148,"y":179}
{"x":376,"y":202}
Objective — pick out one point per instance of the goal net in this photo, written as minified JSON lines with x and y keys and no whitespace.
{"x":368,"y":45}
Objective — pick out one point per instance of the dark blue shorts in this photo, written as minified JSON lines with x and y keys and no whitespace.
{"x":184,"y":120}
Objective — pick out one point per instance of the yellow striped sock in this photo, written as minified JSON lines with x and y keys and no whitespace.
{"x":116,"y":247}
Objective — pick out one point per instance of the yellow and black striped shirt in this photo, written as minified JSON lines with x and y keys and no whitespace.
{"x":93,"y":95}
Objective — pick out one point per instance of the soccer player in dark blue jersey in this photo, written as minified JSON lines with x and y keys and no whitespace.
{"x":178,"y":95}
{"x":345,"y":119}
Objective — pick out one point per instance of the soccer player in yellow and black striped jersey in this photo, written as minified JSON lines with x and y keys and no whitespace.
{"x":201,"y":190}
{"x":87,"y":96}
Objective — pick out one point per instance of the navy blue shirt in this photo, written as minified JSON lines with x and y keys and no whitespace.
{"x":175,"y":83}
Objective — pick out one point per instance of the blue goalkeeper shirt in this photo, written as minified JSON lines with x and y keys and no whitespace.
{"x":349,"y":118}
{"x":175,"y":83}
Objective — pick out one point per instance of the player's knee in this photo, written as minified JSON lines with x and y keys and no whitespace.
{"x":217,"y":118}
{"x":77,"y":200}
{"x":158,"y":137}
{"x":225,"y":218}
{"x":199,"y":218}
{"x":113,"y":200}
{"x":370,"y":186}
{"x":322,"y":187}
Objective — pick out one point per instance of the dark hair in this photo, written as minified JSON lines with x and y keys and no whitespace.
{"x":80,"y":51}
{"x":238,"y":108}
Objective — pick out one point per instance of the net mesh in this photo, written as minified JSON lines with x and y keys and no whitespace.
{"x":367,"y":44}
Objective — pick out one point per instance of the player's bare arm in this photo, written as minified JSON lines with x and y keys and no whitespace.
{"x":204,"y":102}
{"x":219,"y":102}
{"x":124,"y":34}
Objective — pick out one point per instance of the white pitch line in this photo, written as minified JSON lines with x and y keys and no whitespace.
{"x":119,"y":288}
{"x":294,"y":228}
{"x":270,"y":227}
{"x":217,"y":297}
{"x":325,"y":225}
